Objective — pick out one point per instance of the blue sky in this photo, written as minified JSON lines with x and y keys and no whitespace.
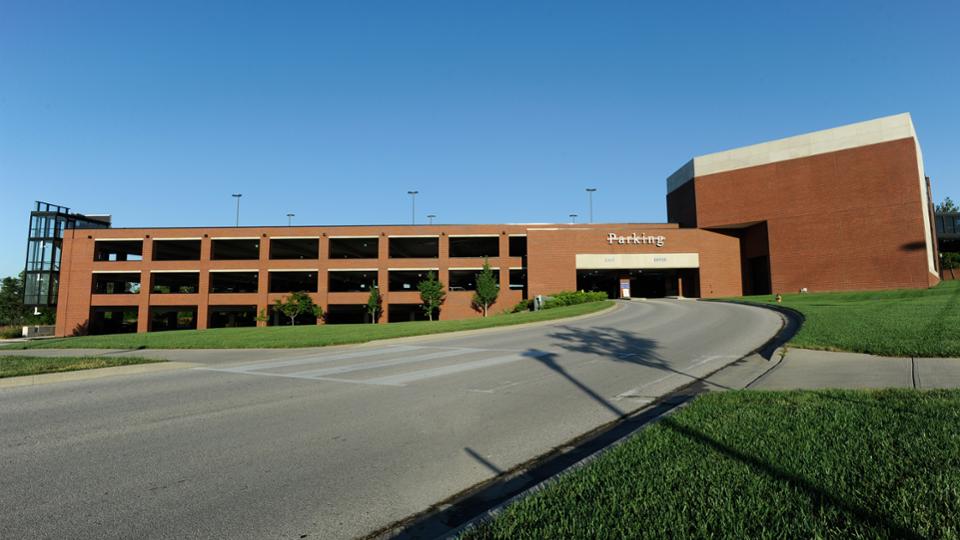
{"x":495,"y":111}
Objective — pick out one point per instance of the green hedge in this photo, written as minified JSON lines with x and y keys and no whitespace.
{"x":571,"y":298}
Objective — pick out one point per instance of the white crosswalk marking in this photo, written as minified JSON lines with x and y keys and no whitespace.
{"x":313,"y":359}
{"x":385,"y":363}
{"x":419,"y":375}
{"x":358,"y":363}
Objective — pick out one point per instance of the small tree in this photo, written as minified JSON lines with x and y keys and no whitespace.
{"x":487,"y":288}
{"x":373,"y":303}
{"x":297,"y":304}
{"x":12,"y":310}
{"x":947,"y":206}
{"x":432,"y":294}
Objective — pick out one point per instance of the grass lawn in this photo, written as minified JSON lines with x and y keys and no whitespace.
{"x":908,"y":322}
{"x":301,"y":336}
{"x":15,"y":366}
{"x":825,"y":464}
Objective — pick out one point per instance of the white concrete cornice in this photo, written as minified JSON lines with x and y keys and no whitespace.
{"x":887,"y":128}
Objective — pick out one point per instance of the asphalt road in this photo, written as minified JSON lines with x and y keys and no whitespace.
{"x":337,"y":442}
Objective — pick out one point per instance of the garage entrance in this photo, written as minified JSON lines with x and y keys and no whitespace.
{"x":650,"y":275}
{"x":654,"y":283}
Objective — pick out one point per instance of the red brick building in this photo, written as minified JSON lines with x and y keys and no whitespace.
{"x":846,"y":208}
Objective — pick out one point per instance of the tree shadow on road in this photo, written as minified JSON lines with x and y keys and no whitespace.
{"x":550,"y":360}
{"x":617,"y":345}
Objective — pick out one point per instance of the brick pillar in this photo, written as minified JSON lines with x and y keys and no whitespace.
{"x":143,"y":299}
{"x":323,"y":276}
{"x":383,"y":277}
{"x":503,"y":262}
{"x":263,"y":287}
{"x":203,"y":290}
{"x":443,"y":265}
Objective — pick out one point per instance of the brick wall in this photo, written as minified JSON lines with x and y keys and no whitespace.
{"x":845,"y":220}
{"x":553,"y":254}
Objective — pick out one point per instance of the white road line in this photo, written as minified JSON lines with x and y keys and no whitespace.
{"x":413,"y":376}
{"x":313,"y":359}
{"x":384,"y":363}
{"x":495,"y":388}
{"x":636,"y":392}
{"x":290,"y":376}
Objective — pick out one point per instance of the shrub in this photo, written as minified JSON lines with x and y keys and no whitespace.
{"x":10,"y":332}
{"x":950,"y":260}
{"x":523,"y":305}
{"x":571,"y":298}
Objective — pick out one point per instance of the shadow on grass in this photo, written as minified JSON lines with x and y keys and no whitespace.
{"x":818,"y":495}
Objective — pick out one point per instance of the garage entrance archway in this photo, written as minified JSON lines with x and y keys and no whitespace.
{"x":652,"y":283}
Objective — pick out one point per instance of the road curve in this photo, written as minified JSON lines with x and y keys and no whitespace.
{"x":338,"y":442}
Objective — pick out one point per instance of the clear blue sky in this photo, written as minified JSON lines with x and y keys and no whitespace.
{"x":495,"y":111}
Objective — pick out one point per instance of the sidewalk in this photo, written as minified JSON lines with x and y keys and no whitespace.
{"x":806,"y":369}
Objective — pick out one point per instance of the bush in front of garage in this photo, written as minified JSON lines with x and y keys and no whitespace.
{"x":572,"y":298}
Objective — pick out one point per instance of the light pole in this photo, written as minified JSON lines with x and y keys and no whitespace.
{"x":290,"y":219}
{"x":413,"y":206}
{"x":430,"y":217}
{"x":590,"y":191}
{"x":237,"y":197}
{"x":573,"y":218}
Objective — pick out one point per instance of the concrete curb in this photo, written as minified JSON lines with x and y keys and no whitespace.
{"x":87,"y":374}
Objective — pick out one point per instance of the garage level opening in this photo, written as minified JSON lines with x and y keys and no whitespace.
{"x":474,"y":246}
{"x":656,"y":283}
{"x":409,"y":312}
{"x":294,"y":248}
{"x":234,"y":282}
{"x":290,"y":281}
{"x":118,"y":250}
{"x":115,"y":283}
{"x":113,"y":320}
{"x":174,"y":282}
{"x":176,"y":250}
{"x":354,"y":248}
{"x":408,"y":280}
{"x":243,"y":249}
{"x":232,"y":316}
{"x":414,"y":247}
{"x":351,"y":280}
{"x":173,"y":318}
{"x":346,"y":314}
